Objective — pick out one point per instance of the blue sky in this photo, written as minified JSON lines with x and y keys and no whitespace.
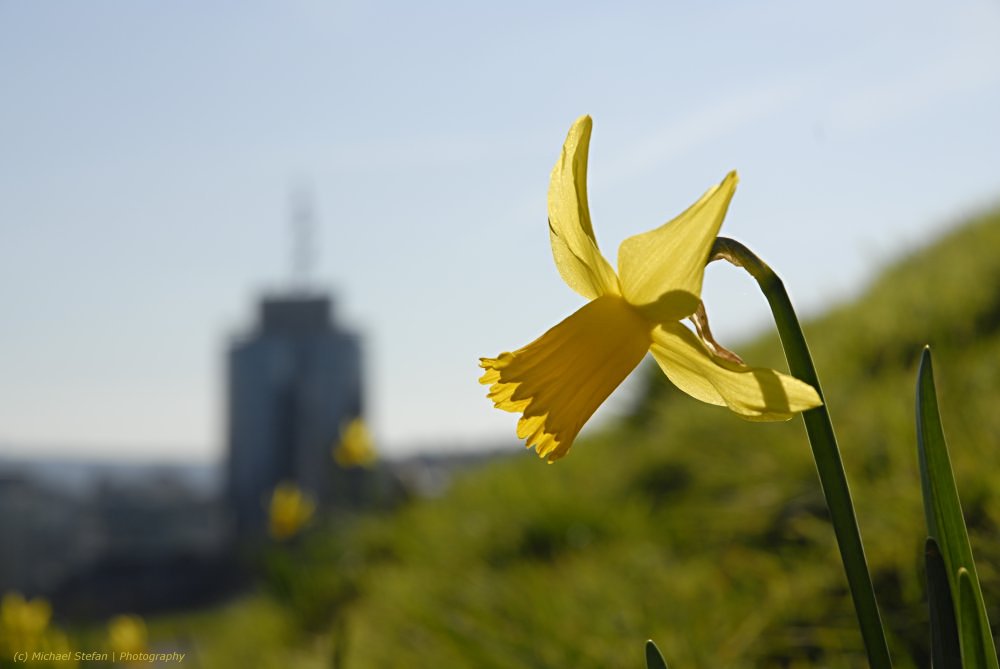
{"x":147,"y":153}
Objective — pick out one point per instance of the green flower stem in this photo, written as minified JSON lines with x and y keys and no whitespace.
{"x":824,"y":447}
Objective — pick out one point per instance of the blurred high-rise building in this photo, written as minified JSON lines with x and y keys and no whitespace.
{"x":293,"y":383}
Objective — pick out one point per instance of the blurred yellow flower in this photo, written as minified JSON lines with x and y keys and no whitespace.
{"x":290,"y":511}
{"x":24,"y":619}
{"x":25,"y":627}
{"x":127,"y":634}
{"x":559,"y":380}
{"x":356,"y":447}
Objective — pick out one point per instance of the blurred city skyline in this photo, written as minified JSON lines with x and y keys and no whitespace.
{"x":148,"y":154}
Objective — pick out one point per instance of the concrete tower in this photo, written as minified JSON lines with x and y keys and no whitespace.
{"x":293,"y":382}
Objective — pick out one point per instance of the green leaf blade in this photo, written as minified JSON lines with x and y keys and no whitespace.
{"x":974,"y":652}
{"x":946,"y":650}
{"x":654,"y":660}
{"x":943,"y":511}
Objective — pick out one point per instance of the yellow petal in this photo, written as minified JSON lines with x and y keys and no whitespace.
{"x":661,"y":270}
{"x":574,"y":247}
{"x":754,"y":393}
{"x":559,"y":380}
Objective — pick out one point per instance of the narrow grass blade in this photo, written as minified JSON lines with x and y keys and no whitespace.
{"x":943,"y":510}
{"x":945,"y":649}
{"x":969,"y":620}
{"x":654,"y":660}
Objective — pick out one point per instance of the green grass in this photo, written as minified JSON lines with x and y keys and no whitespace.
{"x":682,"y":524}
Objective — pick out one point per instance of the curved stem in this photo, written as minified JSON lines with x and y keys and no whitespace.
{"x":833,"y":480}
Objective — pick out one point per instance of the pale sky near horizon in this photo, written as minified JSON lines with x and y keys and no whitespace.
{"x":147,"y":153}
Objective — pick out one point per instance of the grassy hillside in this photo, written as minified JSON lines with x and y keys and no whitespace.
{"x":683,"y":523}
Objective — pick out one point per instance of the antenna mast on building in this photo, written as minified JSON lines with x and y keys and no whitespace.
{"x":303,"y":232}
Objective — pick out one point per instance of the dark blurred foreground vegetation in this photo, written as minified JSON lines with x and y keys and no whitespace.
{"x":682,"y":523}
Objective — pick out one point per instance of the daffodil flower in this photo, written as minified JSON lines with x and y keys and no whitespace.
{"x":356,"y":447}
{"x":20,"y":617}
{"x":127,"y":634}
{"x":290,"y":510}
{"x":560,"y":379}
